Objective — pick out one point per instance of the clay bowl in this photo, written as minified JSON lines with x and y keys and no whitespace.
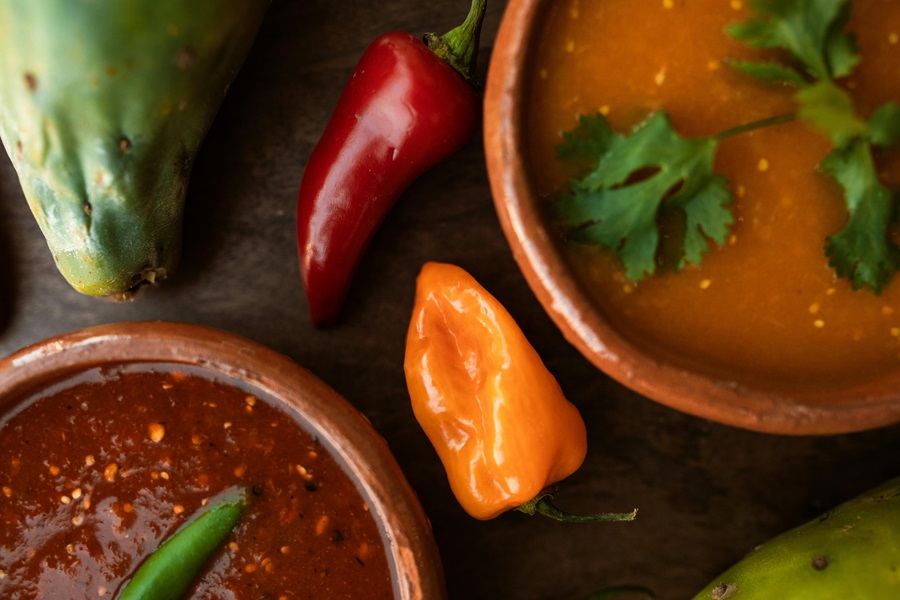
{"x":411,"y":551}
{"x":854,"y":407}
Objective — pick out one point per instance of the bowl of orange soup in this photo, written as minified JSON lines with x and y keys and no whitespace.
{"x":115,"y":438}
{"x":770,"y":300}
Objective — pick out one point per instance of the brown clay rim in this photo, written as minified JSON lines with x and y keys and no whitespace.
{"x":851,"y":408}
{"x":412,"y":552}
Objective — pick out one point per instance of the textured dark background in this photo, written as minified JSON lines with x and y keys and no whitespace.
{"x":707,"y":492}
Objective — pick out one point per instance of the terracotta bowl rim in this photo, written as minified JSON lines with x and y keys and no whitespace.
{"x":413,"y":555}
{"x":796,"y":411}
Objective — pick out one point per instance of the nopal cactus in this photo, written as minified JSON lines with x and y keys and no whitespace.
{"x":103,"y":107}
{"x":849,"y":553}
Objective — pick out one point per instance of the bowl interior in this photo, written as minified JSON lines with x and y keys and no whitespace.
{"x":749,"y":403}
{"x":353,"y":442}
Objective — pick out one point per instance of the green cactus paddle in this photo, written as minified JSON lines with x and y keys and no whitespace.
{"x":849,"y":553}
{"x":103,"y":107}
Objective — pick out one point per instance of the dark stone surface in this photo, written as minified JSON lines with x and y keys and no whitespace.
{"x":707,"y":493}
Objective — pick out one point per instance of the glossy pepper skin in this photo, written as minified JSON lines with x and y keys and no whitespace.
{"x":497,"y":417}
{"x":170,"y":571}
{"x":403,"y":111}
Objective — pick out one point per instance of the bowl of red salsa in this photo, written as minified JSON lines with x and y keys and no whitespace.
{"x":717,"y":233}
{"x":115,"y":437}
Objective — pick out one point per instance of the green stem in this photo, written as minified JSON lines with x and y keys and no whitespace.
{"x":542,"y":505}
{"x":459,"y":46}
{"x":753,"y":125}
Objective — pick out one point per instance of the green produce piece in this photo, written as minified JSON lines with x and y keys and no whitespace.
{"x":103,"y":108}
{"x":849,"y":553}
{"x":170,"y":571}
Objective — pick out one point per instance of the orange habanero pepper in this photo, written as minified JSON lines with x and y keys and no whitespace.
{"x":497,"y":417}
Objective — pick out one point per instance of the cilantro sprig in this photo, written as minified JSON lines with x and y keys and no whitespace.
{"x":616,"y":204}
{"x":633,"y":179}
{"x":862,"y":250}
{"x":811,"y":31}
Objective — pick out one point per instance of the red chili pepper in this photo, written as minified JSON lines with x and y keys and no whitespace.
{"x":408,"y":106}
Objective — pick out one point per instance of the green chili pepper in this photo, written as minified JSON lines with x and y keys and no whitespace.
{"x":169,"y":572}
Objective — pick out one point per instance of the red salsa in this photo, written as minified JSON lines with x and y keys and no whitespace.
{"x":98,"y":470}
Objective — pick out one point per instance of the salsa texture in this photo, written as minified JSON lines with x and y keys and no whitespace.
{"x":98,"y":470}
{"x":765,"y":307}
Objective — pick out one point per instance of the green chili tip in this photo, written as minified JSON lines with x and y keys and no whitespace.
{"x":171,"y":570}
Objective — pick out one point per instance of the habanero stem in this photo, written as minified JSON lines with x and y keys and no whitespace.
{"x":542,"y":505}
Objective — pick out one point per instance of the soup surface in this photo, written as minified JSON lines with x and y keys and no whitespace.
{"x":99,"y":470}
{"x":765,"y":307}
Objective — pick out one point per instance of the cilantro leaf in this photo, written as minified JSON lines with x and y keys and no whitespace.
{"x":587,"y":141}
{"x":862,"y":251}
{"x":829,"y":109}
{"x":769,"y":71}
{"x":884,"y":125}
{"x":636,"y":177}
{"x":812,"y":31}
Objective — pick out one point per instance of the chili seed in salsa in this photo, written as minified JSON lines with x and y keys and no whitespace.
{"x":98,"y":470}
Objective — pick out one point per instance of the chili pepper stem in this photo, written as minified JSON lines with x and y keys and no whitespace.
{"x":459,"y":46}
{"x":542,"y":505}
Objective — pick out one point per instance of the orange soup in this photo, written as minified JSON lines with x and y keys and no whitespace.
{"x":765,"y":306}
